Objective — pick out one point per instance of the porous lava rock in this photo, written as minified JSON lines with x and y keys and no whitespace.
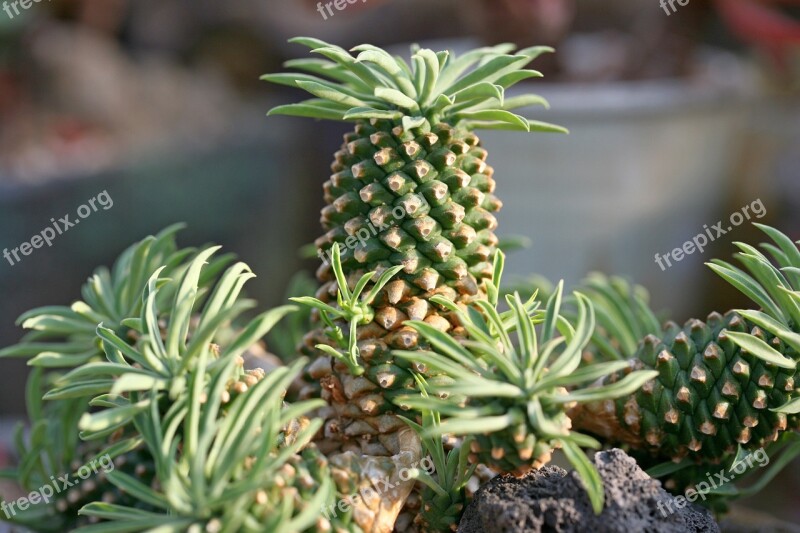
{"x":553,"y":500}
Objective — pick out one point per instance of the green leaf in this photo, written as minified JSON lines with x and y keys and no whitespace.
{"x":488,"y":72}
{"x":112,"y":342}
{"x":553,"y":310}
{"x":28,"y":349}
{"x":184,"y":302}
{"x":410,"y":123}
{"x":543,"y":425}
{"x":312,"y":42}
{"x":308,"y":110}
{"x":257,"y":328}
{"x":362,"y":71}
{"x":359,"y":113}
{"x":773,"y":326}
{"x":473,"y":426}
{"x":445,"y":344}
{"x":792,"y":407}
{"x":111,"y":417}
{"x":546,"y":127}
{"x":76,"y":390}
{"x":383,"y":279}
{"x":491,"y":125}
{"x":785,"y":243}
{"x":317,"y":304}
{"x":771,"y":279}
{"x":397,"y":98}
{"x":430,"y":76}
{"x":512,"y":78}
{"x":626,"y":386}
{"x":527,"y":100}
{"x":226,"y":292}
{"x":747,"y":286}
{"x":136,"y":382}
{"x":588,"y":474}
{"x":331,"y":94}
{"x":582,"y":375}
{"x":388,"y":64}
{"x":496,"y":116}
{"x":761,"y":349}
{"x":137,"y":489}
{"x":481,"y":388}
{"x":97,"y":369}
{"x":444,"y":407}
{"x":329,"y":69}
{"x":61,"y":360}
{"x":668,"y":468}
{"x":570,"y":358}
{"x":59,"y":324}
{"x":525,"y":333}
{"x":454,"y":67}
{"x":438,"y":362}
{"x":480,"y":91}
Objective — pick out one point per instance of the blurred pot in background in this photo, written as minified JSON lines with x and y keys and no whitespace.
{"x":660,"y":128}
{"x":646,"y":165}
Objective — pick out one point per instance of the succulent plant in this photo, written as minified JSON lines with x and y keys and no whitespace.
{"x":63,"y":338}
{"x":410,"y":189}
{"x":227,"y":464}
{"x":177,"y":367}
{"x":154,"y":371}
{"x":513,"y":379}
{"x":748,"y":401}
{"x":416,"y":353}
{"x":727,"y":382}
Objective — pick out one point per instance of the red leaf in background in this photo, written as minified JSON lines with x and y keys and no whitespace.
{"x":765,"y":27}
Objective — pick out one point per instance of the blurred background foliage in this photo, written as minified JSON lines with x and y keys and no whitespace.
{"x":678,"y":119}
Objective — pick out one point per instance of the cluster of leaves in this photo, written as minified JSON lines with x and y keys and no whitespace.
{"x":775,"y":288}
{"x":152,"y":377}
{"x":518,"y":387}
{"x":220,"y":471}
{"x":468,"y":90}
{"x":352,"y":306}
{"x":64,"y":336}
{"x":156,"y":367}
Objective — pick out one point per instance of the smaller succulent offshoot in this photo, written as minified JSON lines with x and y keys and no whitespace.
{"x":513,"y":379}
